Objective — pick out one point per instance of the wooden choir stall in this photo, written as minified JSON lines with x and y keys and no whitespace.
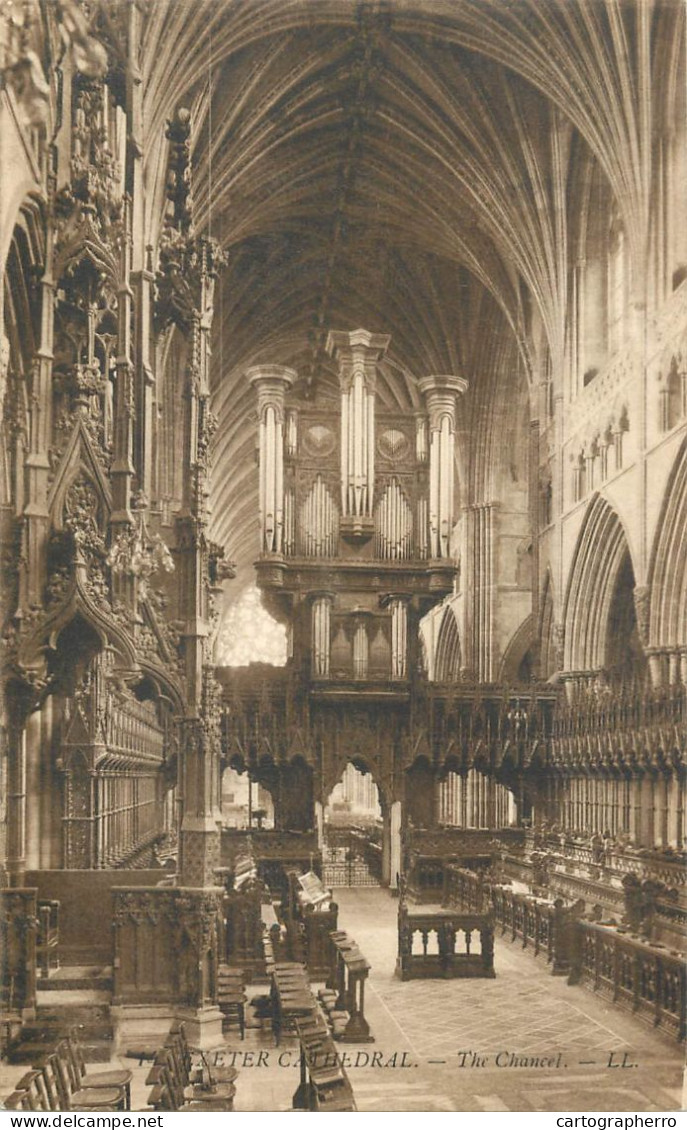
{"x":310,"y":916}
{"x":324,"y":1084}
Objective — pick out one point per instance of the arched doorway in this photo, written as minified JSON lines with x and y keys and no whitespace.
{"x":601,"y":632}
{"x":352,"y":832}
{"x":625,"y":658}
{"x":244,"y":803}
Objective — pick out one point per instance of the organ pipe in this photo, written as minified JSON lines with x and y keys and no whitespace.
{"x":321,"y":635}
{"x":292,"y":433}
{"x":319,"y":521}
{"x":421,"y":437}
{"x":394,"y":525}
{"x":289,"y":524}
{"x":271,"y":383}
{"x":399,"y":637}
{"x":358,"y":354}
{"x":422,"y":528}
{"x":440,"y":393}
{"x":361,"y":650}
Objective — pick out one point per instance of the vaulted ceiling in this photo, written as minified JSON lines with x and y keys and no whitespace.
{"x":415,"y":168}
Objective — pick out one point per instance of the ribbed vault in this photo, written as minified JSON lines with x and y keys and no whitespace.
{"x":419,"y":169}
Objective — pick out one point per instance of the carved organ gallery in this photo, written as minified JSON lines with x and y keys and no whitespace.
{"x":343,"y":376}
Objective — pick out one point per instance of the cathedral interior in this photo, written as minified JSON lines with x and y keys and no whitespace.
{"x":343,"y":496}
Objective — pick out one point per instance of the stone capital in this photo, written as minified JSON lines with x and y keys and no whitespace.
{"x":271,"y":383}
{"x":440,"y":392}
{"x":357,"y":351}
{"x":322,"y":594}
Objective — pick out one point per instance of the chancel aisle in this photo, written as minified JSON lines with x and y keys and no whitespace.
{"x":343,"y":376}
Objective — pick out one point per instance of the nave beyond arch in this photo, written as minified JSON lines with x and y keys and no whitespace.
{"x":343,"y":371}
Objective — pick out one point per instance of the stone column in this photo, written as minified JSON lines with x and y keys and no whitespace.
{"x":271,"y":383}
{"x":34,"y":739}
{"x":399,"y":637}
{"x":319,"y":823}
{"x":440,"y":394}
{"x":395,"y":844}
{"x":464,"y":820}
{"x":439,"y":813}
{"x":200,"y":847}
{"x":386,"y":844}
{"x":662,"y":822}
{"x":16,"y":805}
{"x":123,"y":470}
{"x":645,"y":789}
{"x":481,"y":582}
{"x":36,"y":519}
{"x":142,"y":283}
{"x":491,"y":803}
{"x":200,"y":730}
{"x":681,"y":815}
{"x":672,"y":804}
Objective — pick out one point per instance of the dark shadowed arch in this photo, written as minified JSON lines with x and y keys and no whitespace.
{"x":600,"y":592}
{"x":668,"y":569}
{"x":448,"y":656}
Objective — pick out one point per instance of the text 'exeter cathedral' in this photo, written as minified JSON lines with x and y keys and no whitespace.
{"x":343,"y":496}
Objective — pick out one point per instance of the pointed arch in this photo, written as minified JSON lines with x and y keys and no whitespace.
{"x":419,"y":788}
{"x":602,"y":556}
{"x":668,"y":566}
{"x":548,"y":655}
{"x":79,"y":461}
{"x":358,"y":774}
{"x":293,"y":808}
{"x":448,"y":660}
{"x":523,"y":639}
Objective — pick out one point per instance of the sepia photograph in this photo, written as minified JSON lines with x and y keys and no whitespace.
{"x":343,"y":505}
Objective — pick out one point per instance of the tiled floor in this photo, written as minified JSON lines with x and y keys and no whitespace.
{"x":523,"y":1012}
{"x":426,"y":1031}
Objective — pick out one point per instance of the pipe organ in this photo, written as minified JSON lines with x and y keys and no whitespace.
{"x":440,"y":393}
{"x":271,"y":383}
{"x":358,"y":354}
{"x":356,"y":513}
